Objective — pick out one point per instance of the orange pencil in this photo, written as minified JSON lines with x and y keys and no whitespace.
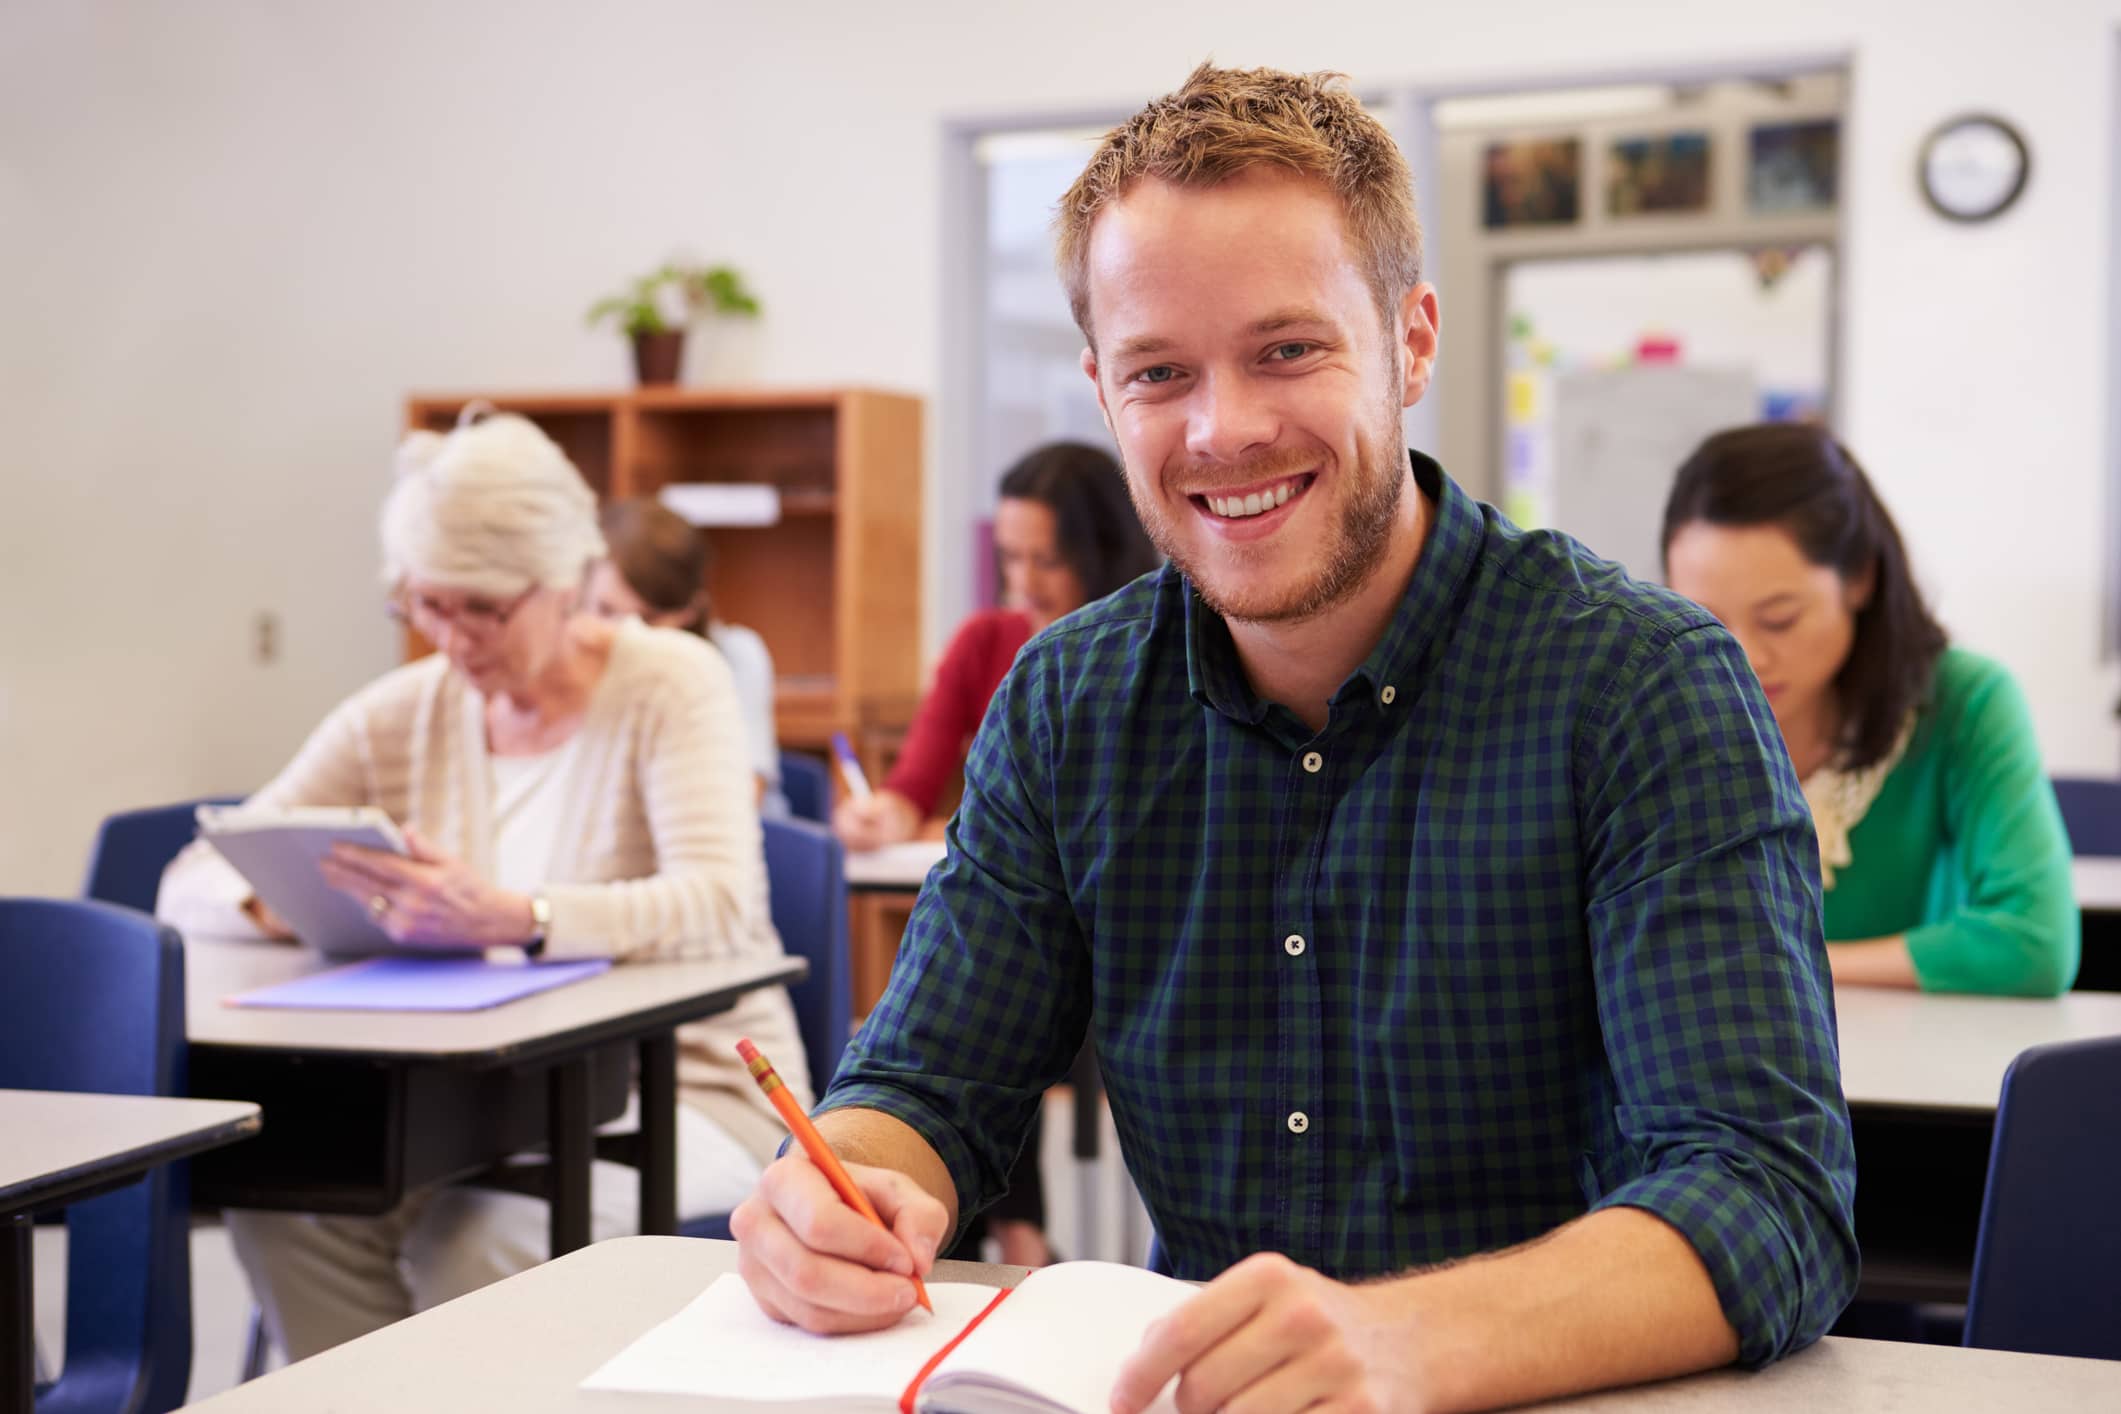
{"x":814,"y":1145}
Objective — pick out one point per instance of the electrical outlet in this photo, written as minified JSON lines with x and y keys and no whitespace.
{"x":265,"y":637}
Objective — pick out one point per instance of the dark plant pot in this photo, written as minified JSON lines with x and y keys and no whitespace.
{"x":657,"y":357}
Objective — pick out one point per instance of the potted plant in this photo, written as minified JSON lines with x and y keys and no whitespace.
{"x":655,"y":310}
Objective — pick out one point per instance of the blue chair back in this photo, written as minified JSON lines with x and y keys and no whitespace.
{"x":806,"y":871}
{"x":134,"y":847}
{"x":96,"y":1003}
{"x":807,"y":874}
{"x":2047,"y":1262}
{"x":2091,"y":812}
{"x":806,"y":782}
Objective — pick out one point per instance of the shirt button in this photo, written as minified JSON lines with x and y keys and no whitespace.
{"x":1293,"y":945}
{"x":1387,"y":695}
{"x":1313,"y":762}
{"x":1298,"y":1122}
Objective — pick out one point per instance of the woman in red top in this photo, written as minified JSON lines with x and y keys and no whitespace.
{"x":1064,"y":534}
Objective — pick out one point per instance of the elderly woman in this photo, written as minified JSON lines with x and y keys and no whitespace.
{"x":576,"y":787}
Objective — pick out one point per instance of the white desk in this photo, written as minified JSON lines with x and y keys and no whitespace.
{"x":1935,"y":1052}
{"x":363,"y":1107}
{"x":215,"y":968}
{"x":896,"y":866}
{"x":1923,"y":1073}
{"x":59,"y":1148}
{"x":2098,"y":882}
{"x":525,"y":1343}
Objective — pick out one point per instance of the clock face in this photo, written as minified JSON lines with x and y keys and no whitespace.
{"x":1973,"y":168}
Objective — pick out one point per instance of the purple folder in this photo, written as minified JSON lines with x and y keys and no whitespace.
{"x":419,"y":984}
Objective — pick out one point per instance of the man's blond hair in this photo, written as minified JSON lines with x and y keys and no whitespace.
{"x":1222,"y":122}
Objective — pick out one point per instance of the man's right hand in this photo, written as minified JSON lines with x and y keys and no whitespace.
{"x":814,"y":1262}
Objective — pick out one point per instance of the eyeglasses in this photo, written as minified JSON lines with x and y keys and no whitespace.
{"x":428,"y":612}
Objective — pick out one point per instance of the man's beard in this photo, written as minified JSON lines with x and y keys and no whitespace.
{"x":1358,"y":544}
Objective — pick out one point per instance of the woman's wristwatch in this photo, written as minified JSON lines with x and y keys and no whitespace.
{"x":540,"y":922}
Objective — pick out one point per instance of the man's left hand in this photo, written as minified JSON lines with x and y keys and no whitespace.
{"x":426,"y":898}
{"x":1269,"y":1335}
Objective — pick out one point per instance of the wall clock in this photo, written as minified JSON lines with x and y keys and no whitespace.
{"x":1973,"y":167}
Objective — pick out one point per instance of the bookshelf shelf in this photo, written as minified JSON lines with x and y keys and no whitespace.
{"x":834,"y":586}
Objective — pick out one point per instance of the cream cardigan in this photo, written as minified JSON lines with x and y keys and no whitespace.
{"x":659,"y":853}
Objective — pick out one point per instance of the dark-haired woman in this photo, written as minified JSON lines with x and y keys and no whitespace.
{"x":1942,"y":850}
{"x":1064,"y":535}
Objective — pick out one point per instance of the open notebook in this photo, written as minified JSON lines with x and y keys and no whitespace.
{"x":1053,"y":1345}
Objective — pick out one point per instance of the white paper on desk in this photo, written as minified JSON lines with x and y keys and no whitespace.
{"x":723,"y":1347}
{"x":740,"y":503}
{"x":1057,"y":1344}
{"x":903,"y":865}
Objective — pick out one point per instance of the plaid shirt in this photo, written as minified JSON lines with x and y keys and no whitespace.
{"x":1530,"y":928}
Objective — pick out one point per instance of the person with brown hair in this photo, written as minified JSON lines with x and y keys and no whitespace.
{"x":657,"y":572}
{"x":1439,"y":900}
{"x":1941,"y":848}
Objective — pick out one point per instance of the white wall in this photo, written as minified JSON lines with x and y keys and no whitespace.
{"x":232,"y":235}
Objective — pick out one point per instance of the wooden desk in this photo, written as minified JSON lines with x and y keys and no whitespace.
{"x":364,"y":1107}
{"x":882,"y":885}
{"x":525,"y":1343}
{"x":62,"y":1148}
{"x":1922,"y":1074}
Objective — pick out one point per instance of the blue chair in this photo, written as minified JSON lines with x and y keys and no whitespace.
{"x":806,"y":782}
{"x":103,"y":1012}
{"x":807,"y":875}
{"x":134,"y":847}
{"x":2047,"y":1261}
{"x":2091,"y":812}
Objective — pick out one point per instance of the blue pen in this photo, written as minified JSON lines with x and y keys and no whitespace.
{"x":850,"y":766}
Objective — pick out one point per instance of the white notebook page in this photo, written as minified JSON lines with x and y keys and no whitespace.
{"x":722,"y":1345}
{"x":1065,"y":1332}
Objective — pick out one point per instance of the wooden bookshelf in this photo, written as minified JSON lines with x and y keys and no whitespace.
{"x":834,"y":586}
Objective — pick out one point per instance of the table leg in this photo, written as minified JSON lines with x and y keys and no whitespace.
{"x":1088,"y":1085}
{"x":659,"y":1134}
{"x":18,"y":1330}
{"x":572,"y":1136}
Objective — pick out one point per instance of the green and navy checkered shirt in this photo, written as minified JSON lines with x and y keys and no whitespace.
{"x":1532,"y":927}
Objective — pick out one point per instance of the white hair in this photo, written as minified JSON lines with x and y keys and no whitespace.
{"x":491,"y":508}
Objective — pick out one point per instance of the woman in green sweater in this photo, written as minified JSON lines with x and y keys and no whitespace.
{"x":1941,"y":848}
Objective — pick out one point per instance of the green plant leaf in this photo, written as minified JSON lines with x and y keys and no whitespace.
{"x":640,"y":310}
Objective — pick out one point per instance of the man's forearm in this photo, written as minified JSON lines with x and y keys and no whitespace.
{"x":874,"y":1138}
{"x":1614,"y":1298}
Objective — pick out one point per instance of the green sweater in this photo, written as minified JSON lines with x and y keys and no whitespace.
{"x":1963,"y":850}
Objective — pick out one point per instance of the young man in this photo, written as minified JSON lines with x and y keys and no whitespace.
{"x":1440,"y":901}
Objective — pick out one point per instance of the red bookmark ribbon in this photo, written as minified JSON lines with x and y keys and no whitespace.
{"x":905,"y":1401}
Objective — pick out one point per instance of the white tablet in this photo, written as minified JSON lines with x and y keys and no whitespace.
{"x":277,"y":848}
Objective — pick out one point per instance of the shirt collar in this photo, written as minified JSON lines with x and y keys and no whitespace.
{"x":1418,"y":629}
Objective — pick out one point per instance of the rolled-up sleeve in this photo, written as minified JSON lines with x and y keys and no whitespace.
{"x":989,"y":997}
{"x":1713,"y":990}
